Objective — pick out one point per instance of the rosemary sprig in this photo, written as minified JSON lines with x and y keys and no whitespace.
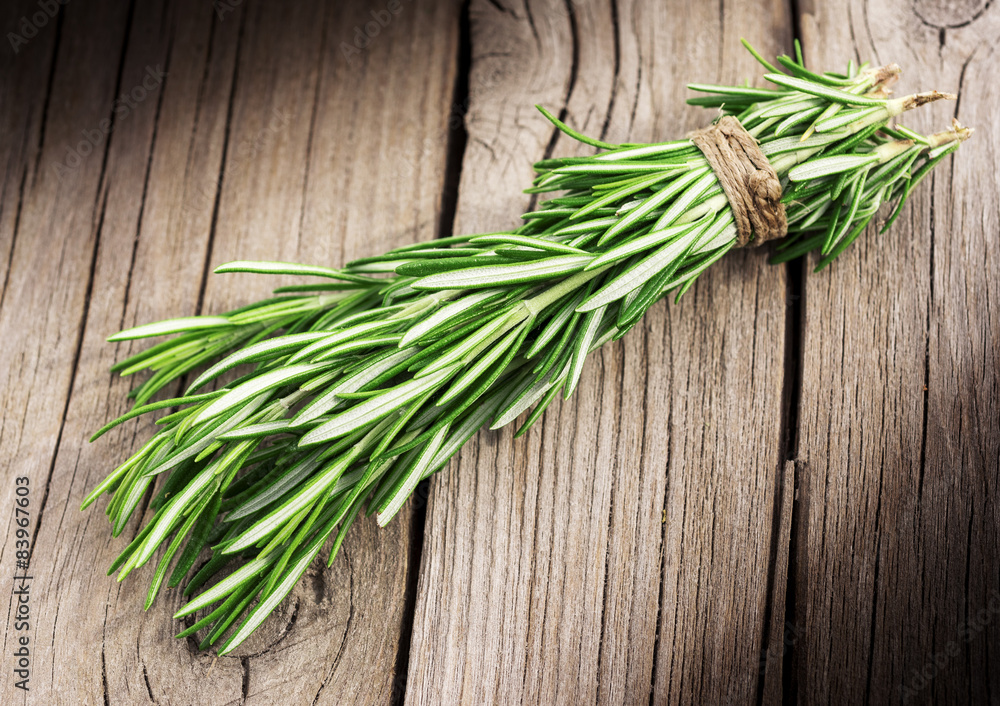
{"x":366,"y":383}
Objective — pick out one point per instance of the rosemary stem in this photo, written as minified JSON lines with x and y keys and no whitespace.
{"x":540,"y":302}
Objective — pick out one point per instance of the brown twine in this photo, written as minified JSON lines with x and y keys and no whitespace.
{"x":749,"y":180}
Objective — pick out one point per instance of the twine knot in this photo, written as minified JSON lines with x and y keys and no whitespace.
{"x":747,"y":177}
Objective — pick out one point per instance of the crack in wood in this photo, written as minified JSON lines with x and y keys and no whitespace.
{"x":60,"y":13}
{"x":13,"y":238}
{"x":222,"y":168}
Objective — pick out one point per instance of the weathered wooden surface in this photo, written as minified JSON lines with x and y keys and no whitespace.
{"x":549,"y":574}
{"x":897,"y":580}
{"x":782,"y":488}
{"x":233,"y":153}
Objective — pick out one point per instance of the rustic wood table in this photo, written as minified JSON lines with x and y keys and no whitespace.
{"x":783,"y":488}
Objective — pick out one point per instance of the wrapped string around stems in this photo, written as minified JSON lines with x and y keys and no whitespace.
{"x":750,"y":182}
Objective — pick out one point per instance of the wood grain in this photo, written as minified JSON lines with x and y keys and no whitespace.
{"x":54,"y":243}
{"x":780,"y":489}
{"x":898,"y":436}
{"x":230,"y":154}
{"x":622,"y":546}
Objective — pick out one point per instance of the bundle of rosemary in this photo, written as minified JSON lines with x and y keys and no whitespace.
{"x":362,"y":385}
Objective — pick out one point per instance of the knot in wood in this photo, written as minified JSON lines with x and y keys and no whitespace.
{"x":750,"y":182}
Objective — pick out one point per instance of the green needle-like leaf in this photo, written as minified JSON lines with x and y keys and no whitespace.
{"x":375,"y":408}
{"x":504,"y":275}
{"x":253,"y":387}
{"x":170,"y":326}
{"x":825,"y":92}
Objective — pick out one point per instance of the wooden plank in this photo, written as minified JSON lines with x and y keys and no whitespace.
{"x":25,"y":67}
{"x":315,"y":176}
{"x":623,"y":545}
{"x":87,"y":630}
{"x":897,"y":563}
{"x":142,"y":662}
{"x":46,"y":283}
{"x":265,"y":107}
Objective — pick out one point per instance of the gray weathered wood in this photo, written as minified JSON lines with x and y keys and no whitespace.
{"x":230,"y":154}
{"x":753,"y":497}
{"x":899,"y":442}
{"x":46,"y":288}
{"x":623,"y":544}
